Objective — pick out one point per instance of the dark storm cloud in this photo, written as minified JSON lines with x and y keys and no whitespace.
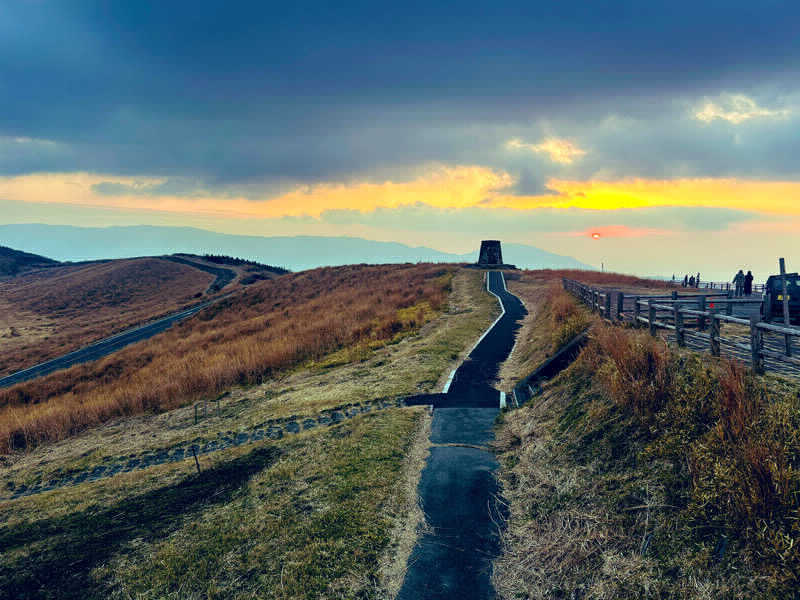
{"x":241,"y":94}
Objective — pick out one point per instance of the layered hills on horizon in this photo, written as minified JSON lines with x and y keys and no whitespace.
{"x":297,"y":253}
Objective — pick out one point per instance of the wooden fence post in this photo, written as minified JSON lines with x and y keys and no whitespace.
{"x":786,"y":320}
{"x":608,"y":305}
{"x":651,"y":317}
{"x":636,"y":311}
{"x":620,"y":305}
{"x":715,"y":335}
{"x":729,"y":304}
{"x":755,"y":346}
{"x":701,"y":320}
{"x":679,"y":337}
{"x":674,"y":295}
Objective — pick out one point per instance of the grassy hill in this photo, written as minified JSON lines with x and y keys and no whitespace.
{"x":329,"y":512}
{"x":47,"y":313}
{"x":269,"y":328}
{"x":50,"y":312}
{"x":644,"y":470}
{"x":13,"y":262}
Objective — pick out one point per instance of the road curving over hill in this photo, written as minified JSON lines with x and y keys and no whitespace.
{"x":102,"y":347}
{"x":458,"y":489}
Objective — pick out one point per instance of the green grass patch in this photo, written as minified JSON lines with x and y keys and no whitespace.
{"x":302,"y":518}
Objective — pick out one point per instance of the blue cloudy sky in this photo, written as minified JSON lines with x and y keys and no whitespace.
{"x":671,"y":128}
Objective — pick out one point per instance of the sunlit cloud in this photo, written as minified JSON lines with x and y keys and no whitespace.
{"x":736,"y":109}
{"x":559,"y":150}
{"x":772,"y":197}
{"x":455,"y":188}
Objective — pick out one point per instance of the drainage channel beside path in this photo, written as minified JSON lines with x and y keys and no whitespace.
{"x":458,"y":488}
{"x":274,"y":429}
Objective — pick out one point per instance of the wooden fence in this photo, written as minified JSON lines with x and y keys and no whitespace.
{"x":696,"y":321}
{"x":758,"y":288}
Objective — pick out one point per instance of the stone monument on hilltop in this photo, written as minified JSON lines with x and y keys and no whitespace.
{"x":490,"y":255}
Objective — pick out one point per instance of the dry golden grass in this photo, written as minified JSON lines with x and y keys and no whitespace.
{"x":553,"y":319}
{"x":54,"y":311}
{"x":246,"y":339}
{"x":644,"y":471}
{"x":417,"y":363}
{"x":604,"y":279}
{"x":327,"y":513}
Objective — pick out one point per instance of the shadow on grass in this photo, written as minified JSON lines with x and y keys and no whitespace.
{"x":66,"y":549}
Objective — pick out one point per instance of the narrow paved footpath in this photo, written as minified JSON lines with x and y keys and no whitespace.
{"x":458,"y":489}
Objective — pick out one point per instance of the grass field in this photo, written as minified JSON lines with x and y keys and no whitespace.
{"x":248,"y":338}
{"x":643,"y":471}
{"x":309,"y":517}
{"x":329,"y":513}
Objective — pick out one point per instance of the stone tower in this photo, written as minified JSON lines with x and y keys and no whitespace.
{"x":490,"y":254}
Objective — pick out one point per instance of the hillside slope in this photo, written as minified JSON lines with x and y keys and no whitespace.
{"x":50,"y":312}
{"x":327,"y":511}
{"x":13,"y":262}
{"x":645,"y":470}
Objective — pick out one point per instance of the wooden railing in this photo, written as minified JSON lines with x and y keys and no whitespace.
{"x":696,"y":320}
{"x":758,"y":288}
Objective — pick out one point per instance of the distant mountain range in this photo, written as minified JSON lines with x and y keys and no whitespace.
{"x":67,"y":243}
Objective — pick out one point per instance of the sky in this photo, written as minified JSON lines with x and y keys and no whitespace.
{"x":672,"y":129}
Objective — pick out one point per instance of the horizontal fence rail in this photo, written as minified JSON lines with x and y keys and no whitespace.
{"x":696,"y":321}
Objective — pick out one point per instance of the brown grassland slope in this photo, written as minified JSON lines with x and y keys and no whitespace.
{"x":272,"y":327}
{"x":541,"y":291}
{"x":51,"y":312}
{"x":645,"y":471}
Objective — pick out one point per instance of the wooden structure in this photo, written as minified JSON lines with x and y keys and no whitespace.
{"x":490,"y":254}
{"x":696,"y":321}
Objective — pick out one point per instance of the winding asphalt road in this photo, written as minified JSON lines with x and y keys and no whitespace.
{"x":458,"y":489}
{"x":103,"y":347}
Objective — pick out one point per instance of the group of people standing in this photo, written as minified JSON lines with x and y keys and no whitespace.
{"x":743,"y":283}
{"x":691,"y":281}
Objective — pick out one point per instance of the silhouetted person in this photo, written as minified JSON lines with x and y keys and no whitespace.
{"x":738,"y":281}
{"x":685,"y":281}
{"x":691,"y":281}
{"x":697,"y":281}
{"x":748,"y":283}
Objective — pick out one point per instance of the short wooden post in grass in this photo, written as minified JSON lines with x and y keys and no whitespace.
{"x":620,"y":305}
{"x":755,"y":346}
{"x":679,"y":337}
{"x":608,"y":305}
{"x":715,"y":335}
{"x":651,"y":317}
{"x":196,"y":462}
